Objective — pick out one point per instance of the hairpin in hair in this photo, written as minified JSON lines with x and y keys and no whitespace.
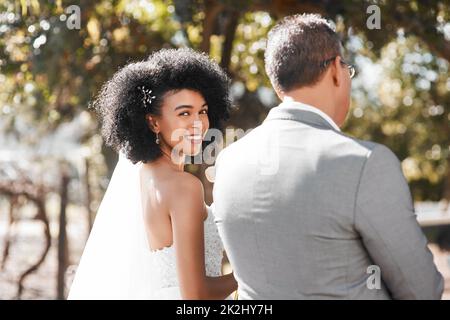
{"x":147,"y":97}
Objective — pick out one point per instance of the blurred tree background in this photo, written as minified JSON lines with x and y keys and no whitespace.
{"x":50,"y":71}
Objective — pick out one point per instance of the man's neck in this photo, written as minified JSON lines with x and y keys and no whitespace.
{"x":304,"y":95}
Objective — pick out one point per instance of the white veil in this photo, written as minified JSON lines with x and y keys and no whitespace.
{"x":116,"y":262}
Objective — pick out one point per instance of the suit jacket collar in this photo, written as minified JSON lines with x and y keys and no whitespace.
{"x":293,"y":110}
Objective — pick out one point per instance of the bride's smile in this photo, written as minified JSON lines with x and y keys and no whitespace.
{"x":181,"y":123}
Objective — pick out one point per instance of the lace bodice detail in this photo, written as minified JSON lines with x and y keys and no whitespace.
{"x":165,"y":263}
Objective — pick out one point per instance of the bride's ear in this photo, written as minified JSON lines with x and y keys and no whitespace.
{"x":152,"y":123}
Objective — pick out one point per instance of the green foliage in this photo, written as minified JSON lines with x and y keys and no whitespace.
{"x":49,"y":73}
{"x":409,"y":112}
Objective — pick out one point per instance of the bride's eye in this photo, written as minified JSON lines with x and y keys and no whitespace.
{"x":204,"y":111}
{"x":184,"y":113}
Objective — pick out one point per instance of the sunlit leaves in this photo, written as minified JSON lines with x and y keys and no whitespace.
{"x":247,"y":60}
{"x":412,"y":114}
{"x":49,"y":73}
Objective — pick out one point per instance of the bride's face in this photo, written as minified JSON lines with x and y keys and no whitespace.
{"x":182,"y":122}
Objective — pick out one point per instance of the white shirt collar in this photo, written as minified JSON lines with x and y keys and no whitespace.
{"x":307,"y":107}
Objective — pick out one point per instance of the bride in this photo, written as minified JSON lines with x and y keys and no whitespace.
{"x":154,"y":237}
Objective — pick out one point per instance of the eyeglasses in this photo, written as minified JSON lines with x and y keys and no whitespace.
{"x":351,"y":68}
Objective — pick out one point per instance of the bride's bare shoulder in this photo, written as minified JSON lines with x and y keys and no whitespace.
{"x":169,"y":182}
{"x":187,"y":194}
{"x":187,"y":183}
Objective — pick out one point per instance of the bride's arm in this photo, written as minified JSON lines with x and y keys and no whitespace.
{"x":223,"y":286}
{"x":188,"y":212}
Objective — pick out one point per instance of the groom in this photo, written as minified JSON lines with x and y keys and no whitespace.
{"x":305,"y":211}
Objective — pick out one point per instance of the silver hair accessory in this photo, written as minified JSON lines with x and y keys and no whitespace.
{"x":147,"y":96}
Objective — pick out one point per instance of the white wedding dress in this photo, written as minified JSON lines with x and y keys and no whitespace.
{"x":117,"y":262}
{"x":165,"y":264}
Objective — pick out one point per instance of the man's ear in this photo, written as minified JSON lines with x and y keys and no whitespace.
{"x":152,"y":123}
{"x":336,"y":71}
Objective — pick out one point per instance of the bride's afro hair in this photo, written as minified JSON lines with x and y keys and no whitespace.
{"x":124,"y":100}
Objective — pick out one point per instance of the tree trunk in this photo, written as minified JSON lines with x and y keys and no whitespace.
{"x":446,"y":191}
{"x":62,"y":238}
{"x":42,"y":216}
{"x":212,"y":10}
{"x":88,"y":193}
{"x":230,"y":31}
{"x":13,"y":200}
